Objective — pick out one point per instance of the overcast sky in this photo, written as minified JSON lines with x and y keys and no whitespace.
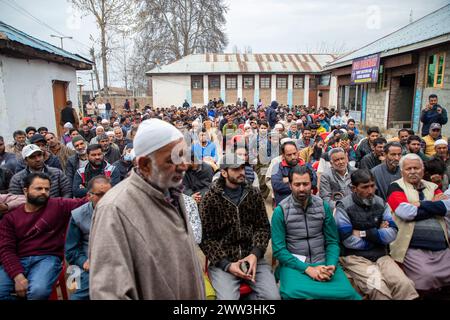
{"x":267,"y":26}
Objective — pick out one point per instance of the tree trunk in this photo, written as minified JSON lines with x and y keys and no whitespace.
{"x":97,"y":78}
{"x":104,"y":61}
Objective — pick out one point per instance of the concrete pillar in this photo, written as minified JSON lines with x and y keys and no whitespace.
{"x":222,"y":87}
{"x":273,"y":93}
{"x":205,"y":89}
{"x":333,"y":92}
{"x":239,"y":86}
{"x":290,"y":90}
{"x":306,"y":91}
{"x":256,"y":94}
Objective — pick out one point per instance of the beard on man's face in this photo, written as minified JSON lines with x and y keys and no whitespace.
{"x":37,"y":201}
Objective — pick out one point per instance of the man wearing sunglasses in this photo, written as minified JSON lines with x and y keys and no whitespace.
{"x":77,"y":241}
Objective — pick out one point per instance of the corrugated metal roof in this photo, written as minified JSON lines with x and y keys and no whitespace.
{"x":428,"y":27}
{"x":8,"y":32}
{"x":246,"y":63}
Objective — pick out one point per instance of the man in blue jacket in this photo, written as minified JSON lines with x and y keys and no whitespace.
{"x":77,"y":240}
{"x":271,"y":114}
{"x":432,"y":113}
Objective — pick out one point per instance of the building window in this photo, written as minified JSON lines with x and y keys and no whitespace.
{"x":435,"y":73}
{"x":231,"y":82}
{"x":264,"y":82}
{"x":325,"y":80}
{"x":312,"y":83}
{"x":248,"y":82}
{"x":214,"y":82}
{"x":197,"y":82}
{"x":282,"y":82}
{"x":298,"y":82}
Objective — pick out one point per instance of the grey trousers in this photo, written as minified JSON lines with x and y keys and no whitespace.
{"x":227,"y":285}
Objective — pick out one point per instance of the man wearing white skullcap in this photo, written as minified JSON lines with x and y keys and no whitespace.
{"x":140,"y":233}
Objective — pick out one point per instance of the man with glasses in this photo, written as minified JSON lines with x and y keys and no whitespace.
{"x":431,"y":138}
{"x":77,"y":241}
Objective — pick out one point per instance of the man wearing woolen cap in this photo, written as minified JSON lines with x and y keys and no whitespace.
{"x":142,"y":245}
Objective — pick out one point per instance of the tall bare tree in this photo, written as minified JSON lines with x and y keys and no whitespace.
{"x":167,"y":30}
{"x":109,"y":15}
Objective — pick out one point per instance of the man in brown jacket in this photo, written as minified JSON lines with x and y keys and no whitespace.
{"x":141,"y":243}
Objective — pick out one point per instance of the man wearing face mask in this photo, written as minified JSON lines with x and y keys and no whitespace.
{"x":127,"y":162}
{"x":366,"y":229}
{"x":32,"y":241}
{"x":140,"y":232}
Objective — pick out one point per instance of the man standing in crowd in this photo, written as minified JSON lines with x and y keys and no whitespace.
{"x":62,"y":152}
{"x":366,"y":145}
{"x":335,"y":182}
{"x":20,"y":138}
{"x":77,"y":240}
{"x":305,"y":241}
{"x":414,"y":146}
{"x":366,"y":229}
{"x":110,"y":153}
{"x":7,"y":160}
{"x":78,"y":160}
{"x":431,"y":138}
{"x":130,"y":227}
{"x":432,"y":113}
{"x":34,"y":160}
{"x":388,"y":171}
{"x":225,"y":245}
{"x":422,"y":245}
{"x":96,"y":166}
{"x":68,"y":114}
{"x":376,"y":157}
{"x":32,"y":241}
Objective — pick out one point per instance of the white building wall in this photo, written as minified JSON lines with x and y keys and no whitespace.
{"x":26,"y":93}
{"x":170,"y":90}
{"x":333,"y":97}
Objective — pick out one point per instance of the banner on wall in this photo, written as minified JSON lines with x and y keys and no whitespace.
{"x":366,"y":69}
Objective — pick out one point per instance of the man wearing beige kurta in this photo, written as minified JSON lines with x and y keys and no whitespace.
{"x":141,"y":244}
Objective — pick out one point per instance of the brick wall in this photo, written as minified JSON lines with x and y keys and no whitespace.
{"x":213,"y":93}
{"x":282,"y":96}
{"x":231,"y":96}
{"x":266,"y":96}
{"x":375,"y":107}
{"x":297,"y":96}
{"x":197,"y":97}
{"x":249,"y":94}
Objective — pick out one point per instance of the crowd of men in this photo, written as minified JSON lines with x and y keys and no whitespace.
{"x":133,"y":200}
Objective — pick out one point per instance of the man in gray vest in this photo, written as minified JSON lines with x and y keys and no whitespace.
{"x":77,"y":241}
{"x":305,"y":241}
{"x":335,"y":182}
{"x":366,"y":229}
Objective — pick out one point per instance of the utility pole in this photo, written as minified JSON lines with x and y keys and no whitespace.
{"x":61,"y":38}
{"x":92,"y":82}
{"x":125,"y":63}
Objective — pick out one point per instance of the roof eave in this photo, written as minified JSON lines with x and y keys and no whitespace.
{"x":395,"y":51}
{"x":17,"y":49}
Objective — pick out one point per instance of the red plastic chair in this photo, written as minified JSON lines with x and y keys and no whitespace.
{"x":244,"y":288}
{"x":61,"y":285}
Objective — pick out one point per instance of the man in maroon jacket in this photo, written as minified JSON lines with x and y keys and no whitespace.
{"x":32,"y":241}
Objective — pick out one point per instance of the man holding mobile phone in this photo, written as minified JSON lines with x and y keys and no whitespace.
{"x":432,"y":113}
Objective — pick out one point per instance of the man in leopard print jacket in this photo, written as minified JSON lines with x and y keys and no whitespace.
{"x":236,"y":232}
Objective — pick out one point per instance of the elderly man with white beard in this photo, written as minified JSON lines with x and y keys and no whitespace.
{"x":422,"y":244}
{"x":141,"y":244}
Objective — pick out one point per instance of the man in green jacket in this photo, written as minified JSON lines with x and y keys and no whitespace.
{"x":306,"y":243}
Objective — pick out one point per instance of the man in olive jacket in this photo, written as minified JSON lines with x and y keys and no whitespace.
{"x":236,"y":232}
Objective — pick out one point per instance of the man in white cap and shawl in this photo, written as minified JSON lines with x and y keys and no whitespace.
{"x":141,"y":244}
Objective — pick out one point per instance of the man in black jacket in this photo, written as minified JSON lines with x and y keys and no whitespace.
{"x":68,"y":114}
{"x":374,"y":158}
{"x":197,"y":179}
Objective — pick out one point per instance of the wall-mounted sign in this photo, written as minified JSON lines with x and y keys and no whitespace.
{"x":365,"y":70}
